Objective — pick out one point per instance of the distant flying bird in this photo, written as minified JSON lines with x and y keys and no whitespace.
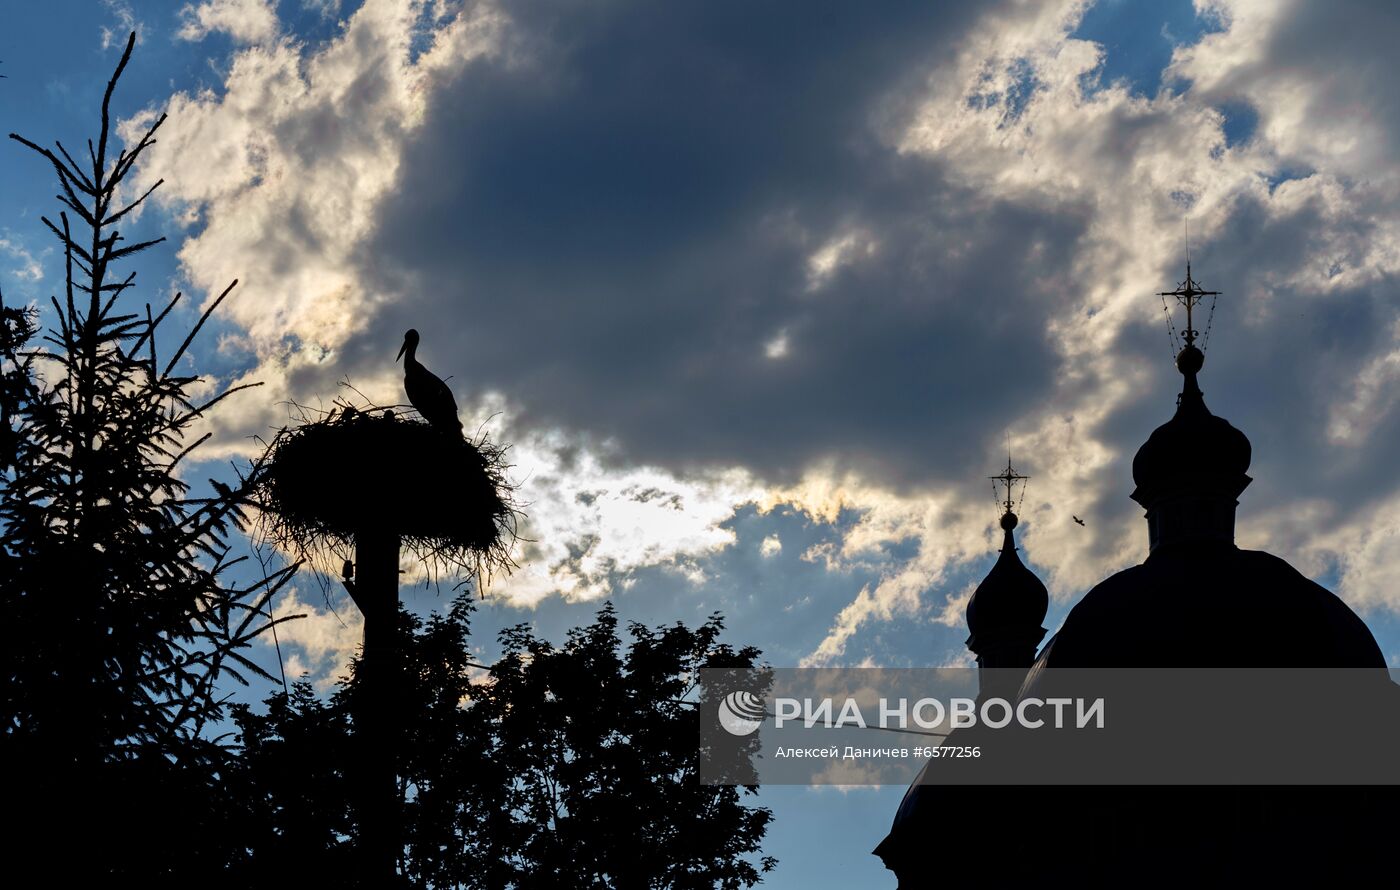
{"x":1077,"y":519}
{"x":426,"y":391}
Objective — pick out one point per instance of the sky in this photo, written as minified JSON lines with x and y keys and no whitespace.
{"x":758,"y":293}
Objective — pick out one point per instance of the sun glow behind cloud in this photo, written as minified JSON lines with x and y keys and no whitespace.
{"x":1046,"y":204}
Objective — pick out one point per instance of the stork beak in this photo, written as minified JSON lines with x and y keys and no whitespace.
{"x":401,"y":350}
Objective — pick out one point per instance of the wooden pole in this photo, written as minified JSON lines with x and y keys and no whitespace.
{"x":377,"y":723}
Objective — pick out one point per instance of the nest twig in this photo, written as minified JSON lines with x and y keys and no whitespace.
{"x":354,"y":471}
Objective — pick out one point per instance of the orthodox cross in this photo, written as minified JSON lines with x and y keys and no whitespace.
{"x":1009,"y":477}
{"x":1188,"y":295}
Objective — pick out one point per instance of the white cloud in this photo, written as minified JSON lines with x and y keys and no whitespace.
{"x":828,"y":259}
{"x":283,"y":169}
{"x":126,"y":22}
{"x":29,"y":268}
{"x":321,"y":644}
{"x":591,"y":526}
{"x":946,"y":538}
{"x":777,"y":347}
{"x":327,"y":8}
{"x":279,"y":176}
{"x":1373,"y":397}
{"x":246,"y":21}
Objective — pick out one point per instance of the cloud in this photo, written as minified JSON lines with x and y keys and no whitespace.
{"x":591,"y":527}
{"x":328,"y":9}
{"x":29,"y":267}
{"x":1315,"y":74}
{"x":1322,"y":243}
{"x":320,"y":644}
{"x":688,"y":261}
{"x":126,"y":22}
{"x":824,"y":259}
{"x":246,"y":21}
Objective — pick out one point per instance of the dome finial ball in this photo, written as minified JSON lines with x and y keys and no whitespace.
{"x":1190,"y":360}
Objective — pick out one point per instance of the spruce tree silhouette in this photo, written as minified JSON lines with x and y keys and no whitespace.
{"x":569,"y":766}
{"x":118,"y":618}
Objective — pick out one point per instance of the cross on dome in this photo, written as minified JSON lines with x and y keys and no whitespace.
{"x":1008,"y":478}
{"x":1188,"y":294}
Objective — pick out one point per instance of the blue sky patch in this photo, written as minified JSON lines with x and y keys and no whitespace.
{"x":1241,"y":120}
{"x":1138,"y":39}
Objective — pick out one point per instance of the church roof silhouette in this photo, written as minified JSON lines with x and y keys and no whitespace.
{"x":1193,"y":454}
{"x":1196,"y":601}
{"x":1241,"y":603}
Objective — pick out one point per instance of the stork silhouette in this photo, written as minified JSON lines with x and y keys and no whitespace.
{"x":426,"y":391}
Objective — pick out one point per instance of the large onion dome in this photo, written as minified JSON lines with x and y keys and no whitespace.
{"x":1195,"y":454}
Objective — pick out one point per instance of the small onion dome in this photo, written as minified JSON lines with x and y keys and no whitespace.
{"x":1195,"y":453}
{"x":1011,"y":601}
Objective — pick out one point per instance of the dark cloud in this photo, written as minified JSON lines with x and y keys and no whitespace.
{"x":610,"y":232}
{"x":611,"y":220}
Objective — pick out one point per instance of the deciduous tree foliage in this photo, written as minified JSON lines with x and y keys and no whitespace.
{"x":568,"y":766}
{"x":117,"y":616}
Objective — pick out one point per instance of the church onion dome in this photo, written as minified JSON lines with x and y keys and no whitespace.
{"x":1011,"y":601}
{"x":1195,"y":454}
{"x":1198,"y":600}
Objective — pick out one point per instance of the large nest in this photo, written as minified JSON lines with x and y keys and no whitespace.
{"x":327,"y":481}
